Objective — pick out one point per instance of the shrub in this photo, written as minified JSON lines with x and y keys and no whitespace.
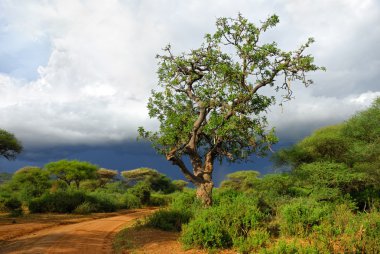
{"x":13,"y":205}
{"x":207,"y":233}
{"x":299,"y":216}
{"x":60,"y":202}
{"x":185,"y":201}
{"x":253,"y":242}
{"x":283,"y":247}
{"x":85,"y":208}
{"x":68,"y":201}
{"x":159,"y":199}
{"x":130,"y":201}
{"x":168,"y":220}
{"x":103,"y":202}
{"x":142,"y":191}
{"x":230,"y":222}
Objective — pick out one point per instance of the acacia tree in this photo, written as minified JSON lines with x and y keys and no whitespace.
{"x":210,"y":107}
{"x":72,"y":171}
{"x":9,"y":145}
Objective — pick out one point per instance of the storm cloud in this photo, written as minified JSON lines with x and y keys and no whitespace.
{"x":79,"y":73}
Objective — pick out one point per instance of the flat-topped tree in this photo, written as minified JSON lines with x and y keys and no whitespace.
{"x":210,"y":107}
{"x":72,"y":171}
{"x":10,"y":146}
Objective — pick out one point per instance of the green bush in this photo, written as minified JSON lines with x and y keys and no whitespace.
{"x":159,"y":199}
{"x":283,"y":247}
{"x":205,"y":232}
{"x":68,"y":201}
{"x":300,"y":216}
{"x":232,"y":221}
{"x":103,"y":202}
{"x":85,"y":208}
{"x":130,"y":201}
{"x":185,"y":201}
{"x":142,"y":191}
{"x":59,"y":202}
{"x":255,"y":240}
{"x":168,"y":220}
{"x":14,"y":206}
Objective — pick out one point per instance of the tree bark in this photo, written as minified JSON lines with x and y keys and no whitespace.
{"x":204,"y":192}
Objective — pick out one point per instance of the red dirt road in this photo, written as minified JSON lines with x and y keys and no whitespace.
{"x":91,"y":237}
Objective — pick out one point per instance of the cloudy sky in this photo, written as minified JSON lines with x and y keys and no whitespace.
{"x":75,"y":76}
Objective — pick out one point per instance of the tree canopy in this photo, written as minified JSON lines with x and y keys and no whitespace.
{"x":10,"y":147}
{"x":339,"y":159}
{"x":155,"y":180}
{"x":210,"y":107}
{"x":72,"y":171}
{"x":31,"y":181}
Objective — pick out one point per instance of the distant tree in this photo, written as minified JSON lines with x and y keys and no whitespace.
{"x":72,"y":171}
{"x":210,"y":108}
{"x":180,"y":184}
{"x":10,"y":147}
{"x":241,"y":180}
{"x":139,"y":174}
{"x":324,"y":144}
{"x":106,"y":176}
{"x":155,"y":180}
{"x":31,"y":182}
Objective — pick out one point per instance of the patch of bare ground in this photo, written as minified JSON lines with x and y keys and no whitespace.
{"x":142,"y":240}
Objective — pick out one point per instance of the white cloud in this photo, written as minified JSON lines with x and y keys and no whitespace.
{"x":101,"y":68}
{"x":306,"y":112}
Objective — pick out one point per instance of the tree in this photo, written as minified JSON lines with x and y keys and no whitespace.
{"x":10,"y":147}
{"x":210,"y":108}
{"x":155,"y":180}
{"x":180,"y":184}
{"x":72,"y":171}
{"x":241,"y":180}
{"x":340,"y":159}
{"x":105,"y":176}
{"x":31,"y":181}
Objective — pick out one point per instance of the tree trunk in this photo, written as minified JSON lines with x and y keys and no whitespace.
{"x":204,"y":192}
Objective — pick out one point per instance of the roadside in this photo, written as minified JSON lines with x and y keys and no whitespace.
{"x":144,"y":240}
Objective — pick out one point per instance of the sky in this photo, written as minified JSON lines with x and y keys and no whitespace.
{"x":75,"y":76}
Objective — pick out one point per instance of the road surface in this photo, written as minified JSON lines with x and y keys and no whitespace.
{"x":91,"y":237}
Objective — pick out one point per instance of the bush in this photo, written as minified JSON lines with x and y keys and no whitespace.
{"x":283,"y":247}
{"x":142,"y":191}
{"x":68,"y":201}
{"x":59,"y":202}
{"x":185,"y":201}
{"x":300,"y":216}
{"x":103,"y":202}
{"x":13,"y":205}
{"x":232,"y":221}
{"x":85,"y":208}
{"x":130,"y":201}
{"x":168,"y":220}
{"x":159,"y":199}
{"x":253,"y":242}
{"x":205,"y":233}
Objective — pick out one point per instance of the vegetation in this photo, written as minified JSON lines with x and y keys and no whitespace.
{"x":72,"y":171}
{"x":10,"y":146}
{"x":80,"y":187}
{"x":217,"y":88}
{"x":328,"y":200}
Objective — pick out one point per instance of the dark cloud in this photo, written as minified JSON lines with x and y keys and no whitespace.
{"x":126,"y":156}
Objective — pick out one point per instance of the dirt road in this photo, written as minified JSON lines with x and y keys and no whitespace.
{"x":91,"y":237}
